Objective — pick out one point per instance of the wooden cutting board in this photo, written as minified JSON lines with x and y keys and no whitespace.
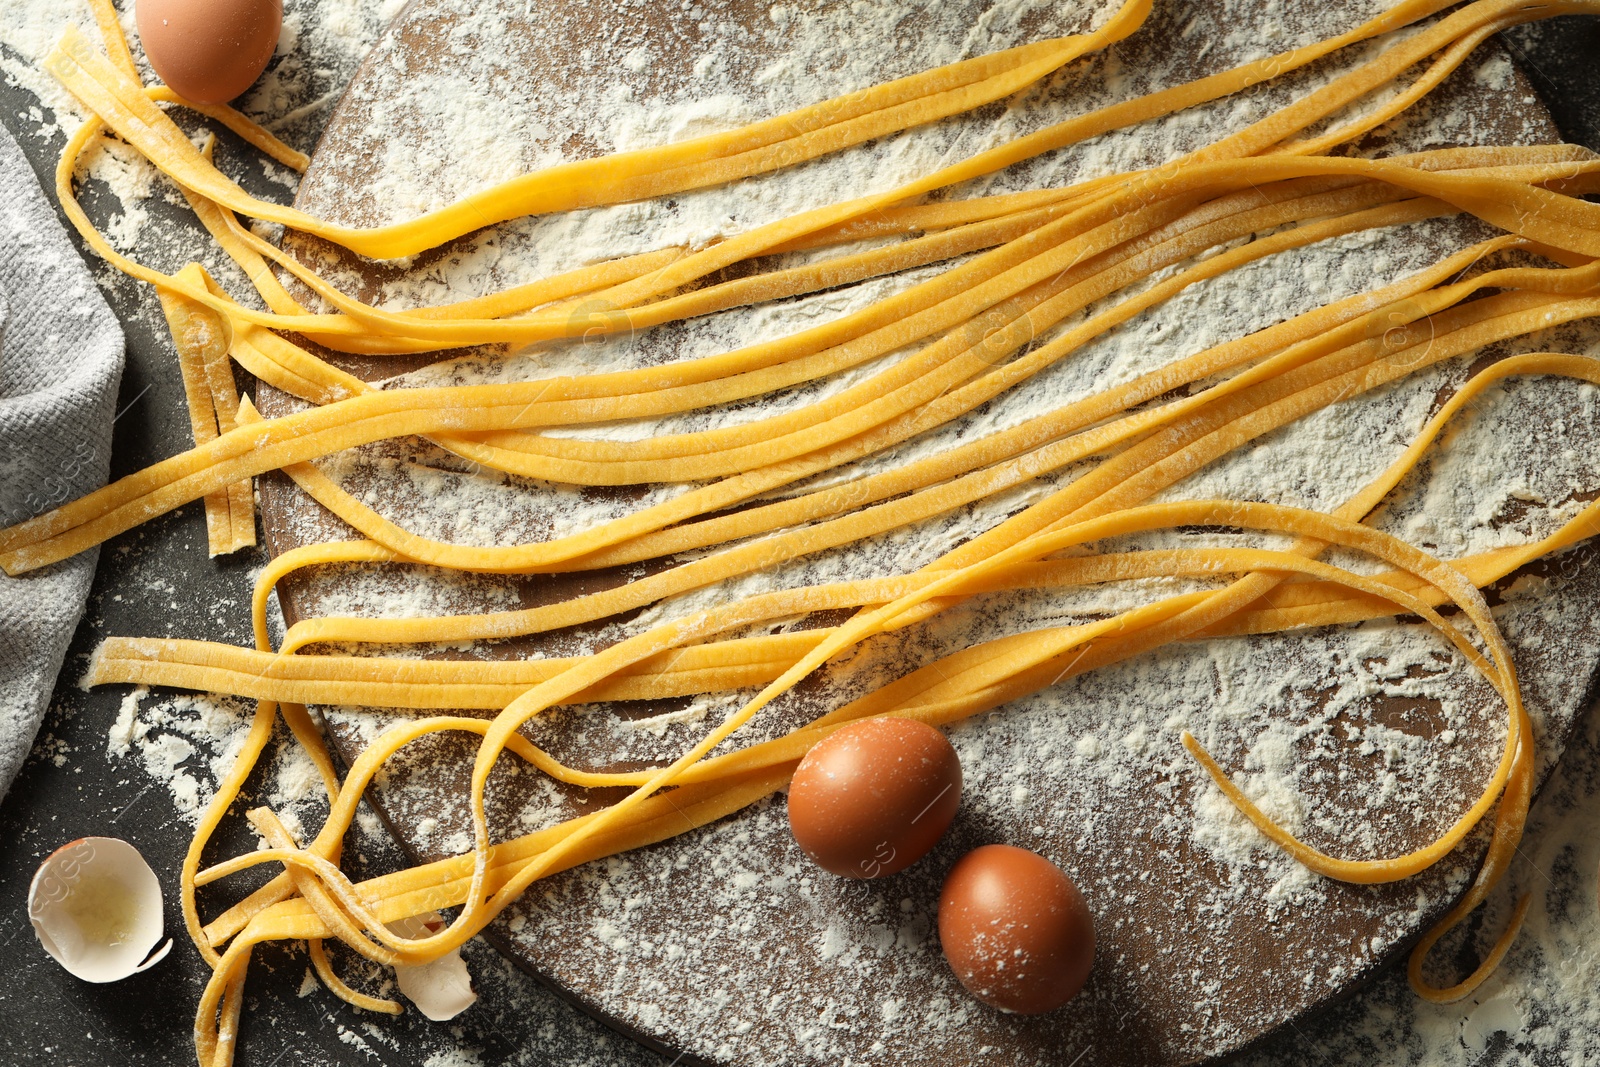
{"x":725,"y":945}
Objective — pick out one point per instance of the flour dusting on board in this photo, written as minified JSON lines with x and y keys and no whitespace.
{"x":1365,"y":740}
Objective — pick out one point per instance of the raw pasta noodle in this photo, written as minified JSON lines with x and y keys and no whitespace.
{"x":781,"y":141}
{"x":540,"y":556}
{"x":1254,"y":139}
{"x":251,"y":450}
{"x":201,"y":339}
{"x":1124,"y":484}
{"x":1012,"y":268}
{"x":1230,"y":513}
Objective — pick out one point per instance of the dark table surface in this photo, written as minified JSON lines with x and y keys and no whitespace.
{"x":157,"y":581}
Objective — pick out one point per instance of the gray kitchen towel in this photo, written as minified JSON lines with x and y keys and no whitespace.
{"x":60,"y":364}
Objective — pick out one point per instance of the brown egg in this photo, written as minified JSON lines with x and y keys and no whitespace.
{"x":209,"y":51}
{"x":1015,"y":929}
{"x":873,"y":797}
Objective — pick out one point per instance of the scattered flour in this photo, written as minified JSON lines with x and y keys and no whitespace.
{"x":1310,"y":719}
{"x":187,"y":742}
{"x":1366,"y":740}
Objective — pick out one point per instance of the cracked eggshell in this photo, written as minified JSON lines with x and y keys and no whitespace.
{"x":441,"y":989}
{"x":96,"y":906}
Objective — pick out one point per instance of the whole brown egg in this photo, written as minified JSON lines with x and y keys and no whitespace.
{"x":1015,"y":929}
{"x":873,"y":797}
{"x":209,"y":51}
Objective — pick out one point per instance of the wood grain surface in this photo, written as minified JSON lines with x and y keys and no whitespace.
{"x":716,"y":945}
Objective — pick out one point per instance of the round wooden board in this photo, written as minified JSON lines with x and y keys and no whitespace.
{"x":724,"y":945}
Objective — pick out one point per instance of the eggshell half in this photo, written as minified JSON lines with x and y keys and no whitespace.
{"x":96,"y":906}
{"x":441,"y":989}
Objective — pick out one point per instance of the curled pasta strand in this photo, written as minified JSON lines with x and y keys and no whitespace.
{"x":1015,"y":266}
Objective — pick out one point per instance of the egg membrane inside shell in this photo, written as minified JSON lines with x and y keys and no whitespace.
{"x":95,"y":905}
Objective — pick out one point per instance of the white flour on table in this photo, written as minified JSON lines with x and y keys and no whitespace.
{"x":1230,"y":693}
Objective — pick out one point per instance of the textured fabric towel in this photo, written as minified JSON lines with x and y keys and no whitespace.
{"x":60,"y":364}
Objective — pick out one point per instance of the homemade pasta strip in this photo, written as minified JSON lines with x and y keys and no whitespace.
{"x":1058,"y":285}
{"x":442,"y":684}
{"x":1147,"y":107}
{"x":1006,"y":213}
{"x":247,"y":129}
{"x":110,"y":26}
{"x":143,"y":662}
{"x":201,"y":339}
{"x":108,"y":22}
{"x":164,"y":145}
{"x":272,"y":830}
{"x":1016,"y":266}
{"x":1231,"y":513}
{"x":467,"y":319}
{"x":308,"y":433}
{"x":1130,"y":477}
{"x":860,"y":493}
{"x":191,"y":333}
{"x":1369,"y":362}
{"x":784,"y":140}
{"x":1553,"y":218}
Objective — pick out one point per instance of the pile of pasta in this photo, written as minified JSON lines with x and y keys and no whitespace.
{"x":1017,"y":267}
